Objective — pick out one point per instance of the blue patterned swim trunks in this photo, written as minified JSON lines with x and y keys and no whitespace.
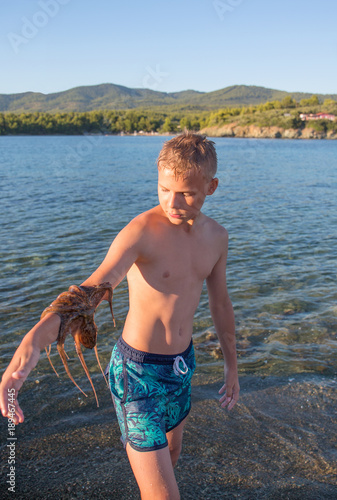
{"x":151,"y":393}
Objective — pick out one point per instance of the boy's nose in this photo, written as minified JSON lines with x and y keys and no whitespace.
{"x":174,"y":200}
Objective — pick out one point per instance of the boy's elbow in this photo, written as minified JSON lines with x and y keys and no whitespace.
{"x":220,"y":304}
{"x":222,"y":311}
{"x":217,"y":308}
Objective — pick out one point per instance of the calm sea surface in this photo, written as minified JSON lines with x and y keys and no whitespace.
{"x":64,"y":199}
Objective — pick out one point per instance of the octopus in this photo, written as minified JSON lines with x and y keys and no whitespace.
{"x":76,"y":308}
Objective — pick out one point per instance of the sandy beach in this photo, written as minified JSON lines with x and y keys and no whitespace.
{"x":278,"y":443}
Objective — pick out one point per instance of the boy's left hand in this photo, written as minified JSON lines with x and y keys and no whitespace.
{"x":231,"y":389}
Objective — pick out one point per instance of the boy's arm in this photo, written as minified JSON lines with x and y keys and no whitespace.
{"x":223,"y":318}
{"x":123,"y":252}
{"x":24,"y":360}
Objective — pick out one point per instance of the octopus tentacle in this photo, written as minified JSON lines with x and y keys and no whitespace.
{"x":99,"y":364}
{"x":85,"y":368}
{"x":110,"y":305}
{"x":65,"y":363}
{"x":48,"y":356}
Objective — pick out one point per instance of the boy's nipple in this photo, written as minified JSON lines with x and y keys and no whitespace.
{"x":166,"y":274}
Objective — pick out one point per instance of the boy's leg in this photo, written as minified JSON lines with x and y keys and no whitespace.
{"x":175,"y":439}
{"x":153,"y":470}
{"x":154,"y":473}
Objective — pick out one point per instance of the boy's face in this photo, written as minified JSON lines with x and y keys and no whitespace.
{"x":182,"y":198}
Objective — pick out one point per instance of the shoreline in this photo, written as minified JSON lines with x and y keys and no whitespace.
{"x":257,"y":132}
{"x":278,"y":443}
{"x":230,"y":131}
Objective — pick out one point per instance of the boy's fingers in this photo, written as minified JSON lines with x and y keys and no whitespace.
{"x":231,"y":404}
{"x":19,"y":374}
{"x":11,"y":409}
{"x":234,"y":400}
{"x":23,"y":362}
{"x":9,"y":405}
{"x":225,"y":400}
{"x":229,"y":399}
{"x":228,"y":392}
{"x":223,"y":388}
{"x":225,"y":396}
{"x":19,"y":417}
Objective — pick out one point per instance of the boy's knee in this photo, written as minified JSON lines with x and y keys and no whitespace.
{"x":175,"y":451}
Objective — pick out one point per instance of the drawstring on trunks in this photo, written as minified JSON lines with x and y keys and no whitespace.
{"x":176,"y":366}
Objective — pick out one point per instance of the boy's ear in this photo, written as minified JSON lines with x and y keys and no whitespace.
{"x":213,"y":185}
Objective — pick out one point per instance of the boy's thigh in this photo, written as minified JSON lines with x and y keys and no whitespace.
{"x":175,"y":437}
{"x":154,"y":474}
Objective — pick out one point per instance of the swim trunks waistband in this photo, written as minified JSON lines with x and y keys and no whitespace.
{"x":148,"y":357}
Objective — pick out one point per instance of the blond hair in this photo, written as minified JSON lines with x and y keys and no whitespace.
{"x":189,"y":152}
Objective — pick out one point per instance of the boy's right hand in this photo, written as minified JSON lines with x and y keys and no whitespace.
{"x":24,"y":360}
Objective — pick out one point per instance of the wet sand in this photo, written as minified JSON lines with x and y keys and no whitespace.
{"x":278,"y":443}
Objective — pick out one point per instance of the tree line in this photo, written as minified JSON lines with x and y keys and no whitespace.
{"x":285,"y":114}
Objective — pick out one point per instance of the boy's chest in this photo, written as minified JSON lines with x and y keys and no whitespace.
{"x":179,"y":259}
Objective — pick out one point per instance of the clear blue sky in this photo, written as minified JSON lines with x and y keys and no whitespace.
{"x":173,"y":45}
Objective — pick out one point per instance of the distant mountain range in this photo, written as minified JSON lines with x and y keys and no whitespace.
{"x":111,"y":96}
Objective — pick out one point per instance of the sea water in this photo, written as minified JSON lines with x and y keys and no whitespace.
{"x":64,"y":199}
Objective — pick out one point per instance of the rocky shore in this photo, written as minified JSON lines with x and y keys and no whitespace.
{"x":254,"y":131}
{"x":278,"y":443}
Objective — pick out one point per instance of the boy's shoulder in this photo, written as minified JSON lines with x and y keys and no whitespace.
{"x":144,"y":225}
{"x":216,"y":229}
{"x":147,"y":219}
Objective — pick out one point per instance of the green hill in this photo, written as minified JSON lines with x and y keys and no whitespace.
{"x":109,"y":96}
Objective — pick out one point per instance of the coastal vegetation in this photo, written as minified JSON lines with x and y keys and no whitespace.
{"x":284,"y":114}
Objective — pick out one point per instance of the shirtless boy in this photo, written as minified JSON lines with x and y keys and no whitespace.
{"x":166,"y":254}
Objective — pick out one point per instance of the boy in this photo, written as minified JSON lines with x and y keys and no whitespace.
{"x":166,"y":253}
